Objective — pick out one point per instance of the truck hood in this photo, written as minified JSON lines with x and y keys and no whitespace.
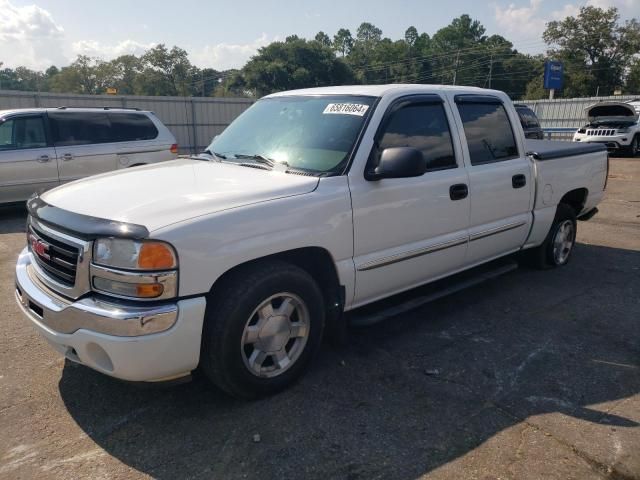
{"x":611,"y":112}
{"x":164,"y":193}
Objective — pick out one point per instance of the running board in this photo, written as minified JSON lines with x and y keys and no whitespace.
{"x":370,"y":315}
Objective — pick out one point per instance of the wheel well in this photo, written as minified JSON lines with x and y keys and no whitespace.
{"x":575,"y":199}
{"x":319,"y":263}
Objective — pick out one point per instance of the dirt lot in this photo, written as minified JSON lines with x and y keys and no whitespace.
{"x":531,"y":375}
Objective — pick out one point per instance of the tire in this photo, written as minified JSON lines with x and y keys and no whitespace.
{"x":557,"y":247}
{"x":634,"y":147}
{"x":248,"y":349}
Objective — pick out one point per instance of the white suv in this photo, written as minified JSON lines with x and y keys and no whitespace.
{"x":615,"y":124}
{"x":41,"y":148}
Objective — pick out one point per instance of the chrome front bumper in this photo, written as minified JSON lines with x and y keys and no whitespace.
{"x":92,"y":314}
{"x":149,"y":343}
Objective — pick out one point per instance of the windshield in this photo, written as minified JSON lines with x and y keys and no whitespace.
{"x":311,"y":133}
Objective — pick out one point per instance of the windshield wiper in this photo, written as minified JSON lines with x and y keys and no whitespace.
{"x":258,"y":159}
{"x":214,"y":154}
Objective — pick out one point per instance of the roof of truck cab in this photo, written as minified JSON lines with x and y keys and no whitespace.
{"x":70,"y":109}
{"x":382,"y":90}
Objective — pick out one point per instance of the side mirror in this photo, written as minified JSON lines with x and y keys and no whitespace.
{"x":398,"y":162}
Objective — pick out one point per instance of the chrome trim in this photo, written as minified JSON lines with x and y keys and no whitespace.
{"x":168,"y":279}
{"x":84,"y":248}
{"x":496,"y":230}
{"x":64,"y":316}
{"x":399,"y":257}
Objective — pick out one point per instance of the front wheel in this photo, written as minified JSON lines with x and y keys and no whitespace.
{"x":262,"y":327}
{"x":634,"y":147}
{"x":557,"y":247}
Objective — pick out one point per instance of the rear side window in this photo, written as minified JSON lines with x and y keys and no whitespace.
{"x":423,"y":126}
{"x":488,"y":131}
{"x":129,"y":127}
{"x":22,"y":132}
{"x":80,"y":128}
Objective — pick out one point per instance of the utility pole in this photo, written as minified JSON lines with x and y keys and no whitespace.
{"x":490,"y":68}
{"x":455,"y":72}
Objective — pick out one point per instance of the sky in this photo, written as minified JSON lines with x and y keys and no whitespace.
{"x":226,"y":34}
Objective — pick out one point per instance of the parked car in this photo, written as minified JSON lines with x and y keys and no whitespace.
{"x":41,"y":148}
{"x":529,"y":121}
{"x":312,"y":203}
{"x":614,"y":124}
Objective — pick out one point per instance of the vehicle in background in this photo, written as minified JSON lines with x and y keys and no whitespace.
{"x":312,"y":203}
{"x":42,"y":148}
{"x":529,"y":121}
{"x":614,"y":124}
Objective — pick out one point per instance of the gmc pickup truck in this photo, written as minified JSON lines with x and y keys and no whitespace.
{"x":311,"y":203}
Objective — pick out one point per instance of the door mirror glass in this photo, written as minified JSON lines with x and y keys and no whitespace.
{"x":399,"y":162}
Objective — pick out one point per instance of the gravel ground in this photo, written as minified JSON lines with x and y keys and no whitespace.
{"x":531,"y":375}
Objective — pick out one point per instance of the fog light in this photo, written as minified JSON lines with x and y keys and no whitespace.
{"x":140,"y":290}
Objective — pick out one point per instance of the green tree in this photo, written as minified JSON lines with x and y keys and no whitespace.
{"x":632,"y":84}
{"x":595,"y":47}
{"x":411,"y":36}
{"x":166,"y":72}
{"x":343,"y":42}
{"x":294,"y":63}
{"x":323,"y":39}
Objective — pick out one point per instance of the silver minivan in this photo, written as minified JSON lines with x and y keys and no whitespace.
{"x":44,"y":147}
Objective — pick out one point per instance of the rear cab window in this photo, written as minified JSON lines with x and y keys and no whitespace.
{"x":488,"y":130}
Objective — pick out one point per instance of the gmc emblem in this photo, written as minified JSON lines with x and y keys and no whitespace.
{"x":39,"y":247}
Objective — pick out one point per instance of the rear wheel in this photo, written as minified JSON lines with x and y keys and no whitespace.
{"x":263,"y":325}
{"x":557,"y":247}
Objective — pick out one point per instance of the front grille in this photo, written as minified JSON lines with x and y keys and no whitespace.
{"x":601,"y":132}
{"x":62,"y":262}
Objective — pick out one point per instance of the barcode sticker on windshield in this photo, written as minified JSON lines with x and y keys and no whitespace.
{"x":346,"y":109}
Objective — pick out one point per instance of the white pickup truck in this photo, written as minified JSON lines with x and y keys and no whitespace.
{"x":310,"y":204}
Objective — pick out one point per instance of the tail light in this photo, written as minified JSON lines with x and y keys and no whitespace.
{"x":174,"y":148}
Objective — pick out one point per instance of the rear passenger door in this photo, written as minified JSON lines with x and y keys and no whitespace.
{"x":82,"y":141}
{"x":27,"y":159}
{"x":500,"y":183}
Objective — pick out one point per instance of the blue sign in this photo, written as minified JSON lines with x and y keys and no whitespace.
{"x":553,"y":75}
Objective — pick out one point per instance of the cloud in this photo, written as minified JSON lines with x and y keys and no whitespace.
{"x":525,"y":24}
{"x":93,"y":48}
{"x":223,"y":56}
{"x":29,"y":36}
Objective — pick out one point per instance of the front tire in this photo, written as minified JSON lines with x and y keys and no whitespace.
{"x":557,"y":247}
{"x":634,"y":147}
{"x":263,"y":325}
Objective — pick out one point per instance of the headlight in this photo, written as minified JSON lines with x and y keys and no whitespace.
{"x":134,"y":255}
{"x":144,"y":270}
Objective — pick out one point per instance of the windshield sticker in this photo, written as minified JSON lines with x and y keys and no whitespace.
{"x":346,"y":109}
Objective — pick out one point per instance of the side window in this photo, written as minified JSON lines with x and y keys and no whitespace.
{"x":488,"y":131}
{"x":532,"y":120}
{"x":22,"y":132}
{"x":80,"y":128}
{"x":423,"y":126}
{"x":132,"y":126}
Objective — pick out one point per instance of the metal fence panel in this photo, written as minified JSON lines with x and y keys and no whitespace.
{"x":193,"y":121}
{"x":567,"y":112}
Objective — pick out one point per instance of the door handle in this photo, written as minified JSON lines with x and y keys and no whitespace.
{"x":43,"y":158}
{"x":67,"y":156}
{"x":458,"y":191}
{"x":518,"y":181}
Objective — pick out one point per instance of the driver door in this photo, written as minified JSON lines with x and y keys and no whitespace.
{"x":408,"y":231}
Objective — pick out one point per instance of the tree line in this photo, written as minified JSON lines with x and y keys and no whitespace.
{"x":599,"y":51}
